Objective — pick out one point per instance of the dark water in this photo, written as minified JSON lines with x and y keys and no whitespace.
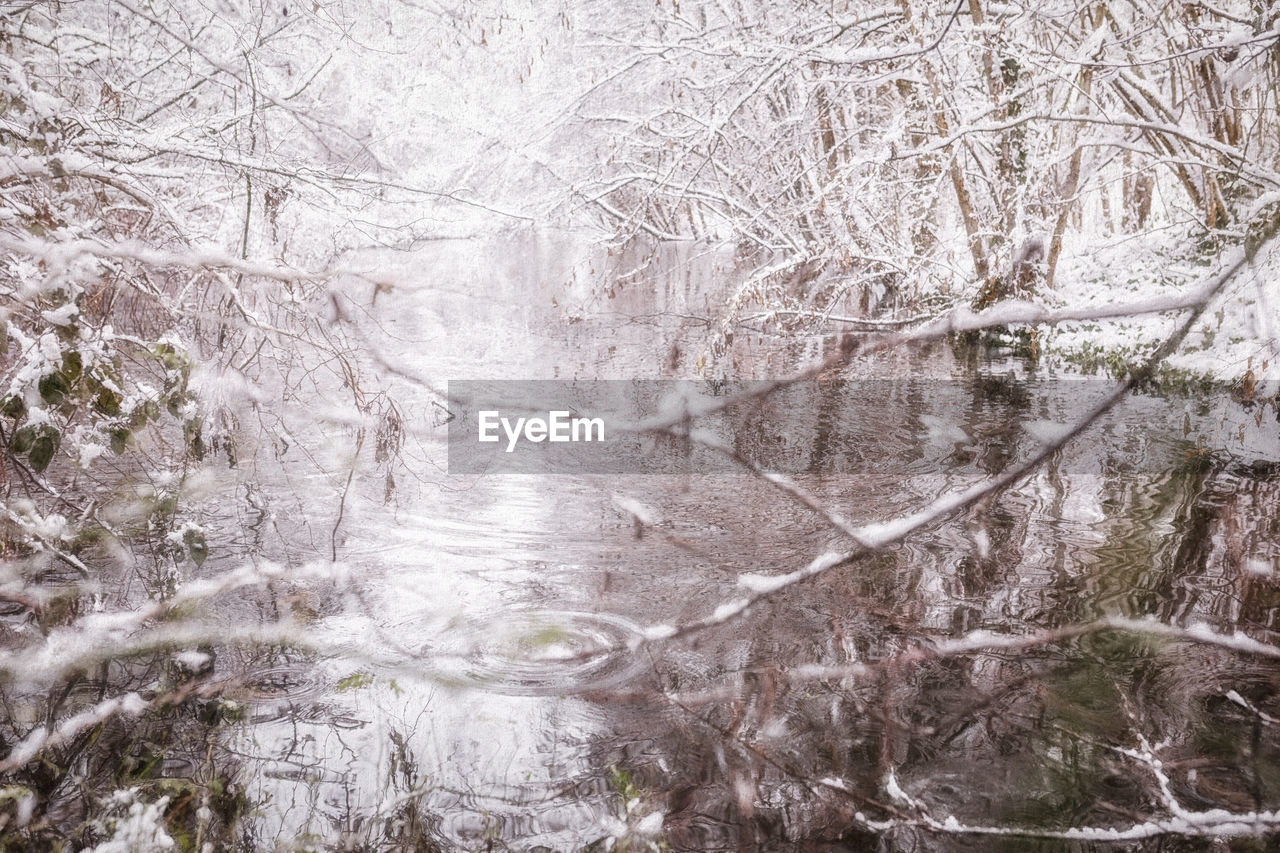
{"x":485,"y":685}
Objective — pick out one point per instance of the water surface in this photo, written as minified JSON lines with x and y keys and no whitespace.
{"x":488,"y":687}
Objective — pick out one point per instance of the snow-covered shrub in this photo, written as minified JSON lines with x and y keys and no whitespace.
{"x":134,"y":826}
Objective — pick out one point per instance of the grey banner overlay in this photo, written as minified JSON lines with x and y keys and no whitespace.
{"x":871,"y":428}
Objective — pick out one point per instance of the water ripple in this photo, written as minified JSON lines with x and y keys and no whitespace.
{"x":536,"y":652}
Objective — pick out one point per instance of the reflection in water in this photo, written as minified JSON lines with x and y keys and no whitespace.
{"x":494,"y":692}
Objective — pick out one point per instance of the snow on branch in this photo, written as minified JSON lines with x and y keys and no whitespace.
{"x":1012,"y":312}
{"x":130,"y":704}
{"x":1200,"y":824}
{"x":1181,"y":821}
{"x":62,"y":254}
{"x":44,"y":738}
{"x":983,"y":641}
{"x":97,"y":637}
{"x":1248,"y":165}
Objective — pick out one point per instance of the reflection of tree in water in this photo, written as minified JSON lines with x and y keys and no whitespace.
{"x":841,"y":717}
{"x":1044,"y":739}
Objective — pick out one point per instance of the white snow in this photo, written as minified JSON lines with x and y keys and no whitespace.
{"x":140,"y":830}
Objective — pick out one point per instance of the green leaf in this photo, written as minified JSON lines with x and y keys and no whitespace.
{"x":354,"y":681}
{"x":167,"y":356}
{"x":148,"y":410}
{"x":53,"y":388}
{"x":107,"y":402}
{"x":42,"y":450}
{"x":13,"y":406}
{"x":119,"y":439}
{"x":23,"y":439}
{"x":72,"y":365}
{"x":193,"y":431}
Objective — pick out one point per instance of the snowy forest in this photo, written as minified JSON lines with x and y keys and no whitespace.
{"x":974,"y":309}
